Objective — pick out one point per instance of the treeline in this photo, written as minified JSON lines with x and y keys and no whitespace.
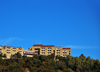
{"x":40,"y":63}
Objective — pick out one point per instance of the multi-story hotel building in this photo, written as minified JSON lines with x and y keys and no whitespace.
{"x":38,"y":49}
{"x":8,"y":50}
{"x":49,"y":49}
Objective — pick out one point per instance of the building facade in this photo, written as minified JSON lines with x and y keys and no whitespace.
{"x":49,"y":49}
{"x":1,"y":49}
{"x":8,"y":50}
{"x":38,"y":49}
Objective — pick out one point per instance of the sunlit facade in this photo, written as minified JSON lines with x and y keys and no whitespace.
{"x":8,"y":50}
{"x":39,"y":49}
{"x":49,"y":49}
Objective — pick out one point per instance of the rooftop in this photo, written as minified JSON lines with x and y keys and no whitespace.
{"x":44,"y":45}
{"x":12,"y":46}
{"x":66,"y":48}
{"x":41,"y":45}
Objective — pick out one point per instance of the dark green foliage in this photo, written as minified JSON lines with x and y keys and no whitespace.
{"x":51,"y":56}
{"x":40,"y":63}
{"x":16,"y":56}
{"x":4,"y":55}
{"x":1,"y":54}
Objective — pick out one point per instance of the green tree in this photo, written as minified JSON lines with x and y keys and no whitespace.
{"x":51,"y":56}
{"x":18,"y":55}
{"x":69,"y":70}
{"x":4,"y":55}
{"x":1,"y":54}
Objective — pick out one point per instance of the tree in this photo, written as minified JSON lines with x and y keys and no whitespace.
{"x":51,"y":56}
{"x":4,"y":55}
{"x":43,"y":58}
{"x":69,"y":70}
{"x":1,"y":55}
{"x":61,"y":65}
{"x":24,"y":57}
{"x":18,"y":55}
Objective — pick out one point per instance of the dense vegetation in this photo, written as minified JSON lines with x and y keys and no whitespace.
{"x":49,"y":64}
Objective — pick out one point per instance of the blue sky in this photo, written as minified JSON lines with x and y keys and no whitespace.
{"x":68,"y":23}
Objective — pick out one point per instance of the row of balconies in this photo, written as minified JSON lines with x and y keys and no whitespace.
{"x":57,"y":50}
{"x":44,"y":53}
{"x":14,"y":48}
{"x":8,"y":52}
{"x":50,"y":48}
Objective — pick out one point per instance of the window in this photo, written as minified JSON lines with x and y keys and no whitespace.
{"x":64,"y":51}
{"x":43,"y":52}
{"x":49,"y":53}
{"x":8,"y":47}
{"x":57,"y":48}
{"x":43,"y":48}
{"x":58,"y":53}
{"x":64,"y":55}
{"x":14,"y":48}
{"x":49,"y":48}
{"x":8,"y":52}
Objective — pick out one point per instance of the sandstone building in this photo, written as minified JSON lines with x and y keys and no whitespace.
{"x":49,"y":49}
{"x":38,"y":49}
{"x":8,"y":50}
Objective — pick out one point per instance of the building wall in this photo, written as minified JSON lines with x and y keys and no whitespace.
{"x":49,"y":49}
{"x":11,"y":50}
{"x":40,"y":49}
{"x":1,"y":49}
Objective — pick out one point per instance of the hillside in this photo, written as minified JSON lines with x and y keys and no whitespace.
{"x":50,"y":64}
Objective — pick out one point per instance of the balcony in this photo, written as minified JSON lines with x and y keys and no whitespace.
{"x":57,"y":48}
{"x":43,"y":48}
{"x":49,"y":53}
{"x":64,"y":50}
{"x":14,"y":50}
{"x":8,"y":52}
{"x":58,"y":53}
{"x":20,"y":49}
{"x":64,"y":53}
{"x":42,"y":52}
{"x":8,"y":48}
{"x":49,"y":48}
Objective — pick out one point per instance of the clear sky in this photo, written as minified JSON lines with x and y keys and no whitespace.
{"x":68,"y":23}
